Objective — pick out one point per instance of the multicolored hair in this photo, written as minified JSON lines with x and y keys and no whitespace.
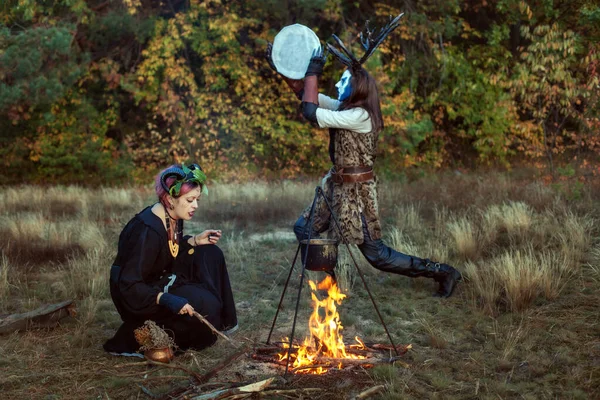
{"x":178,"y":180}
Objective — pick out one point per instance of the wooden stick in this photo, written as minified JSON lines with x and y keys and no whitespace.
{"x":402,"y":349}
{"x":351,"y":361}
{"x":369,"y":392}
{"x":244,"y":390}
{"x":43,"y":317}
{"x":271,"y":359}
{"x":328,"y":362}
{"x":212,"y":328}
{"x":313,"y":366}
{"x":269,"y":349}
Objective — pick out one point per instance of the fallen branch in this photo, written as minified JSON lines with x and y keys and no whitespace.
{"x":212,"y":328}
{"x":402,"y":349}
{"x":43,"y":317}
{"x":269,"y":349}
{"x":352,"y":361}
{"x":243,"y":391}
{"x":314,"y":366}
{"x":369,"y":392}
{"x":270,"y":359}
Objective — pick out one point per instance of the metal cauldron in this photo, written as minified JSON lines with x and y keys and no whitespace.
{"x":322,"y":254}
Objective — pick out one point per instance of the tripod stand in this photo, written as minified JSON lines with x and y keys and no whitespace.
{"x":309,"y":224}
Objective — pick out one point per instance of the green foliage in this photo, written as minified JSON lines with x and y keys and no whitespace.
{"x":38,"y":66}
{"x":73,"y":147}
{"x":89,"y":90}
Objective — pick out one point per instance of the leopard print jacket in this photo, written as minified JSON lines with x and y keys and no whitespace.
{"x":349,"y":200}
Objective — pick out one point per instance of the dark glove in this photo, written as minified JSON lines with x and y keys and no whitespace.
{"x":317,"y":62}
{"x":269,"y":57}
{"x":172,"y":302}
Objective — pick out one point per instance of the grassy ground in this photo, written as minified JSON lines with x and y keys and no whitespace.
{"x":525,"y":324}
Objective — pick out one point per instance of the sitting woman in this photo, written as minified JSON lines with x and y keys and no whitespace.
{"x":161,"y":275}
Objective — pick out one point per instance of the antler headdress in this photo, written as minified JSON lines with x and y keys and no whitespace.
{"x":369,"y":42}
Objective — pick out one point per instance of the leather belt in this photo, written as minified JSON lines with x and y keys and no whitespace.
{"x":352,"y":174}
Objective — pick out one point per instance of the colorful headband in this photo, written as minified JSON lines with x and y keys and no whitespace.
{"x":369,"y":43}
{"x":191,"y":174}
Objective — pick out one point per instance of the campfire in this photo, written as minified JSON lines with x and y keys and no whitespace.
{"x":325,"y":348}
{"x":326,"y":340}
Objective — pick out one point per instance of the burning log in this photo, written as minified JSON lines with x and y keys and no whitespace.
{"x":365,"y":358}
{"x":325,"y":347}
{"x":329,"y":363}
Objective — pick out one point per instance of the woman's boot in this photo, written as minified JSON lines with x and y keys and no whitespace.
{"x":446,"y":275}
{"x":386,"y":259}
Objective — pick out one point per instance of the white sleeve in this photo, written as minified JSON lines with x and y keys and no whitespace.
{"x":354,"y":119}
{"x":328,"y":103}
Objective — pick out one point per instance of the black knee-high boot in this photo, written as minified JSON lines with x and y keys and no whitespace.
{"x":446,"y":275}
{"x":386,"y":259}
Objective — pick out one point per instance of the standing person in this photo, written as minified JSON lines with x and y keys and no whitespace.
{"x":160,"y":274}
{"x":354,"y":121}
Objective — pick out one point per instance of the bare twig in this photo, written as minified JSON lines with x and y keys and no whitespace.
{"x":229,"y":393}
{"x":314,"y":366}
{"x":369,"y":392}
{"x":42,"y":317}
{"x":212,"y":328}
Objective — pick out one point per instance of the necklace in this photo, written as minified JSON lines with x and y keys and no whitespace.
{"x":173,"y":236}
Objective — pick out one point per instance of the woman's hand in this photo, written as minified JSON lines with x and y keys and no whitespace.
{"x":317,"y":62}
{"x":187,"y":309}
{"x":209,"y":236}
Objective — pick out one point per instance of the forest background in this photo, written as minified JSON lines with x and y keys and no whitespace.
{"x":108,"y":91}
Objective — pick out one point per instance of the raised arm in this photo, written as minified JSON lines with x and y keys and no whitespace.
{"x":310,"y":98}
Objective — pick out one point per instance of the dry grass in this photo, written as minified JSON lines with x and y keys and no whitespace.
{"x":257,"y":203}
{"x":466,"y":238}
{"x":5,"y":273}
{"x":524,"y":317}
{"x":508,"y":337}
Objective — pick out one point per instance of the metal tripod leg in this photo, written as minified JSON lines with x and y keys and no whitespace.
{"x":362,"y":277}
{"x":283,"y":294}
{"x":309,"y":227}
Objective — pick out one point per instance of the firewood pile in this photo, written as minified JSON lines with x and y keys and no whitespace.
{"x":202,"y":387}
{"x":367,"y":356}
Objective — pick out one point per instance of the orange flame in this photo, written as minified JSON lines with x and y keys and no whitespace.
{"x":326,"y":339}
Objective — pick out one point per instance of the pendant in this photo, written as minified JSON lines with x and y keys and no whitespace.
{"x":174,"y":248}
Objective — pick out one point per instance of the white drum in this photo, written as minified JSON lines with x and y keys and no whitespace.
{"x":293,"y":48}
